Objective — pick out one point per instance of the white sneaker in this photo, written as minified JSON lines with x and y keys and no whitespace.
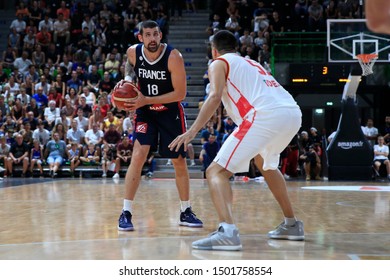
{"x":192,"y":163}
{"x":104,"y":175}
{"x":169,"y":162}
{"x":1,"y":169}
{"x":116,"y":176}
{"x":219,"y":240}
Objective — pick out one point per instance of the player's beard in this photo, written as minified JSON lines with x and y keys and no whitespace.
{"x":153,"y":48}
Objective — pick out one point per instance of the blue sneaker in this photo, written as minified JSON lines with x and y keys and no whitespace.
{"x":125,"y":223}
{"x":189,"y":219}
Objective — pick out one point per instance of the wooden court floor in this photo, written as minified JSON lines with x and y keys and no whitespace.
{"x":76,"y":219}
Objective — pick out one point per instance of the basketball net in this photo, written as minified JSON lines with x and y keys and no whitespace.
{"x":367,"y":61}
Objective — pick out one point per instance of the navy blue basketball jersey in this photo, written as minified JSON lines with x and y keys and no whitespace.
{"x":153,"y":77}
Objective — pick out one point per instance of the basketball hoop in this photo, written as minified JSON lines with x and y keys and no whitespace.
{"x":367,"y":61}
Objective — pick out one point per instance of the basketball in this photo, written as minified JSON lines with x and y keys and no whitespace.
{"x":123,"y":92}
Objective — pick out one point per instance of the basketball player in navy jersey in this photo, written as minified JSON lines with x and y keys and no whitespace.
{"x":159,"y":70}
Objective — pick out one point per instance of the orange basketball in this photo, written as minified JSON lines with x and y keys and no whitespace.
{"x":123,"y":92}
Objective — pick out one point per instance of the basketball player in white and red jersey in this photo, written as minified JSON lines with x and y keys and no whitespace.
{"x":267,"y":117}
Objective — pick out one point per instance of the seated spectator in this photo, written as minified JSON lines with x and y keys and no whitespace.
{"x":316,"y":19}
{"x":41,"y":98}
{"x":82,"y":122}
{"x":94,"y":136}
{"x":370,"y":131}
{"x":18,"y":155}
{"x":9,"y":126}
{"x":27,"y":134}
{"x":51,"y":113}
{"x":108,"y":158}
{"x":62,"y":131}
{"x":56,"y":97}
{"x":209,"y":150}
{"x":41,"y":134}
{"x":73,"y":97}
{"x":68,"y":109}
{"x":33,"y":107}
{"x":73,"y":157}
{"x":75,"y":135}
{"x":381,"y":157}
{"x":127,"y":126}
{"x":63,"y":119}
{"x":123,"y":155}
{"x":151,"y":164}
{"x":86,"y":108}
{"x":312,"y":163}
{"x":209,"y":129}
{"x":36,"y":157}
{"x":112,"y":137}
{"x":229,"y":128}
{"x":91,"y":155}
{"x":90,"y":98}
{"x":55,"y":153}
{"x":4,"y":151}
{"x":111,"y":120}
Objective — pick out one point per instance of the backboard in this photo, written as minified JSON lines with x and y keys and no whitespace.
{"x":347,"y":38}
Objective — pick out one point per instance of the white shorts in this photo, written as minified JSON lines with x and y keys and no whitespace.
{"x":265,"y":133}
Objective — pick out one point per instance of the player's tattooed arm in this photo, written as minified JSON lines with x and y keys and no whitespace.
{"x":129,"y":72}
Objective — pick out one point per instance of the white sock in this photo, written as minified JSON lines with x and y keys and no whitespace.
{"x":289,"y":221}
{"x":184,"y":205}
{"x":228,"y":228}
{"x":192,"y":161}
{"x":128,"y":205}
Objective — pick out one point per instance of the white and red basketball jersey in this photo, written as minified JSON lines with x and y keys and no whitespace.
{"x":251,"y":88}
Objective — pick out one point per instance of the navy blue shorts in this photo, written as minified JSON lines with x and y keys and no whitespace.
{"x":160,"y":128}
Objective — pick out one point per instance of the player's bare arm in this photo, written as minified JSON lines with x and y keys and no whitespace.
{"x":378,"y":15}
{"x":217,"y":74}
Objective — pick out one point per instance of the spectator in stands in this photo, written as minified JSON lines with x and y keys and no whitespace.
{"x":64,"y":11}
{"x":43,"y":39}
{"x":36,"y":157}
{"x":76,"y":134}
{"x":316,"y":20}
{"x":91,"y":155}
{"x":229,"y":127}
{"x":128,"y":124}
{"x":23,"y":11}
{"x":33,"y":107}
{"x":75,"y":83}
{"x":9,"y":56}
{"x":4,"y":151}
{"x":9,"y":126}
{"x":265,"y":57}
{"x":23,"y":97}
{"x":107,"y":84}
{"x":209,"y":150}
{"x":94,"y":78}
{"x":73,"y":157}
{"x":261,"y":23}
{"x":111,"y":119}
{"x":62,"y":131}
{"x":344,"y":9}
{"x":17,"y":112}
{"x":59,"y":86}
{"x":73,"y":97}
{"x":112,"y":137}
{"x":30,"y":119}
{"x":41,"y":134}
{"x":90,"y":98}
{"x":44,"y":85}
{"x":56,"y":97}
{"x":55,"y":153}
{"x":61,"y":30}
{"x":233,"y":26}
{"x":331,"y":11}
{"x":32,"y":73}
{"x":51,"y":113}
{"x":84,"y":41}
{"x":18,"y":155}
{"x":123,"y":154}
{"x":19,"y":24}
{"x":276,"y":25}
{"x":94,"y":135}
{"x":246,"y":40}
{"x":47,"y":23}
{"x":22,"y":63}
{"x":312,"y":163}
{"x":370,"y":131}
{"x":41,"y":98}
{"x":108,"y":157}
{"x":14,"y":39}
{"x":209,"y":129}
{"x":381,"y":157}
{"x":35,"y":13}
